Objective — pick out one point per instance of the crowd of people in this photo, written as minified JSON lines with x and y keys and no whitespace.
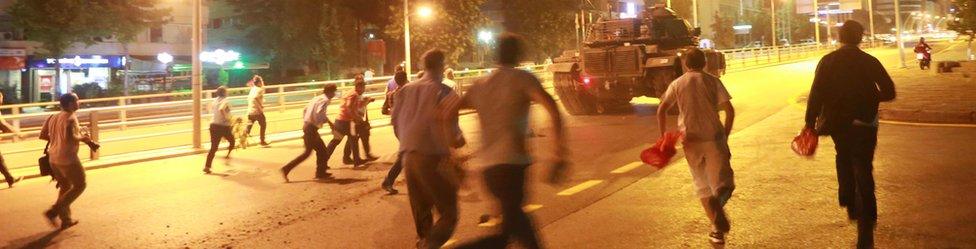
{"x":843,"y":104}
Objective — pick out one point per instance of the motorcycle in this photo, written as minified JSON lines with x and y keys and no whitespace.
{"x":924,"y":60}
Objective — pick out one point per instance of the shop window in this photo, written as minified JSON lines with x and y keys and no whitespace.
{"x":156,"y":35}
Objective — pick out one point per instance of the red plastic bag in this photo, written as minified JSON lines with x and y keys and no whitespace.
{"x":659,"y":154}
{"x":805,"y":144}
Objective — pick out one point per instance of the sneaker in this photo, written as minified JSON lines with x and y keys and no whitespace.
{"x":324,"y":176}
{"x":371,"y":157}
{"x":51,"y":216}
{"x":284,"y":174}
{"x":263,"y":143}
{"x":348,"y":161}
{"x":207,"y":171}
{"x":390,"y":190}
{"x":10,"y":182}
{"x":68,"y":224}
{"x":717,"y":238}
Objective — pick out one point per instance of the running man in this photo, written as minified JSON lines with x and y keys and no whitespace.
{"x":255,"y":107}
{"x":220,"y":126}
{"x":63,"y":134}
{"x":7,"y":128}
{"x":315,"y":115}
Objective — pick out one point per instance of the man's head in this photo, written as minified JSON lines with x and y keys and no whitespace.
{"x":921,"y":39}
{"x":359,"y":78}
{"x":400,"y":78}
{"x":851,"y":33}
{"x":329,"y":90}
{"x":360,"y":86}
{"x":221,"y":92}
{"x":509,"y":49}
{"x":69,"y":102}
{"x":434,"y":61}
{"x":398,"y":68}
{"x":694,"y":59}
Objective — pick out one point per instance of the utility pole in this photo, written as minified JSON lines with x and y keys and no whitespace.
{"x":816,"y":22}
{"x":871,"y":20}
{"x":197,"y":72}
{"x":772,"y":20}
{"x":406,"y":36}
{"x":694,"y":12}
{"x":901,"y":44}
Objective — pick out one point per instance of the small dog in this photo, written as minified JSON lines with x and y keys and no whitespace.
{"x":240,"y":132}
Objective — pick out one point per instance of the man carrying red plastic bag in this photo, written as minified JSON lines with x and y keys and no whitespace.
{"x":699,"y":97}
{"x":659,"y":154}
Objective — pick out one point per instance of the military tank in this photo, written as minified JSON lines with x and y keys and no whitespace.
{"x":625,"y":58}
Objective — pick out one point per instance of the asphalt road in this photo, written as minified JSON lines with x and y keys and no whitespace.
{"x":169,"y":203}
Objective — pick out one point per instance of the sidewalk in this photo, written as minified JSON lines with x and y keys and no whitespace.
{"x":927,"y":97}
{"x":784,"y":201}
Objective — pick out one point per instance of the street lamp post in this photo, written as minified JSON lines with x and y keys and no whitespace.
{"x":816,"y":22}
{"x":197,"y":72}
{"x":871,"y":21}
{"x":772,"y":20}
{"x":422,"y":12}
{"x":898,"y":38}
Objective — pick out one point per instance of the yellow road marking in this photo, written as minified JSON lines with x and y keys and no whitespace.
{"x":531,"y":207}
{"x":627,"y":168}
{"x":579,"y":187}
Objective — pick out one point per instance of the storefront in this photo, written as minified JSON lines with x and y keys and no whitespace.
{"x":75,"y":70}
{"x":13,"y":61}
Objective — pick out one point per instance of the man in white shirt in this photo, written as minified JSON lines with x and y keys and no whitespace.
{"x":255,"y":106}
{"x":315,"y":115}
{"x":63,"y":133}
{"x":220,"y":126}
{"x":699,"y":97}
{"x":502,"y":101}
{"x":426,"y":137}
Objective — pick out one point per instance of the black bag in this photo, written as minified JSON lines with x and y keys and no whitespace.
{"x":44,"y":163}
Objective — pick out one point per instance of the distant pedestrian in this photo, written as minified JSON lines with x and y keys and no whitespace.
{"x":449,"y":81}
{"x":699,"y":97}
{"x":502,"y":101}
{"x":64,"y":133}
{"x":220,"y":126}
{"x":391,"y":176}
{"x":392,"y":84}
{"x":346,"y":123}
{"x":255,"y":107}
{"x":843,"y":103}
{"x":368,"y":75}
{"x":314,"y":116}
{"x":426,"y":138}
{"x":362,"y":128}
{"x":7,"y":128}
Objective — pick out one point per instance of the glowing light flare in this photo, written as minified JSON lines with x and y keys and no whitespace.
{"x":425,"y":11}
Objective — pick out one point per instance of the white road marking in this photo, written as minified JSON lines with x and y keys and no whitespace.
{"x":627,"y":168}
{"x":579,"y":187}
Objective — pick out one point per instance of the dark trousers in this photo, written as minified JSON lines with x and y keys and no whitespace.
{"x":362,"y":133}
{"x":507,"y":184}
{"x":394,"y":171}
{"x":218,"y":132}
{"x":344,"y":127}
{"x":261,"y":120}
{"x":313,"y":142}
{"x":429,"y":187}
{"x":6,"y":172}
{"x":71,"y":183}
{"x":855,"y":155}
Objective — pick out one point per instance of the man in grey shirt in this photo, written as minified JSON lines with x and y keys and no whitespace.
{"x":427,"y":132}
{"x":502,"y":102}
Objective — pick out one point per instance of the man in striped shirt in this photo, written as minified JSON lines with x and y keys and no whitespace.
{"x":427,"y":135}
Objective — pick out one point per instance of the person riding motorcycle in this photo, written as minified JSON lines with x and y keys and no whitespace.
{"x":923,"y":54}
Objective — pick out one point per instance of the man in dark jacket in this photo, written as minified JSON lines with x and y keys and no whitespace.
{"x":848,"y":86}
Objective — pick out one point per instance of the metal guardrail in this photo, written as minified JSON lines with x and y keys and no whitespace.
{"x":285,"y":96}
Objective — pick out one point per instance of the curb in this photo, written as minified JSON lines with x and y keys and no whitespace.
{"x":928,"y":116}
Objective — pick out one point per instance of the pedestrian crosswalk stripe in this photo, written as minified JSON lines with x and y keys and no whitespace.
{"x":627,"y":168}
{"x":531,"y":207}
{"x":579,"y":187}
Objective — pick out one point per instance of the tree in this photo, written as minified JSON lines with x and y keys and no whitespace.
{"x":761,"y":27}
{"x":722,"y":31}
{"x":546,"y":25}
{"x":452,"y":28}
{"x":287,"y":33}
{"x":967,"y":18}
{"x":57,"y":24}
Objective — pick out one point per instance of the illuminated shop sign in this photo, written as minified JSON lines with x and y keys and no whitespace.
{"x":80,"y":62}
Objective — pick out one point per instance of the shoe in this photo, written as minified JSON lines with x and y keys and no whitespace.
{"x":10,"y":182}
{"x":263,"y":143}
{"x":348,"y":161}
{"x":51,"y":216}
{"x":323,"y":176}
{"x":284,"y":174}
{"x":371,"y":157}
{"x":390,"y":190}
{"x":68,"y":224}
{"x":717,"y":238}
{"x":207,"y":171}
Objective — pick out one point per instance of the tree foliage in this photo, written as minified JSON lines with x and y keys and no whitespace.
{"x":967,"y":18}
{"x":722,"y":31}
{"x":452,"y":28}
{"x":293,"y":32}
{"x":57,"y":24}
{"x":547,"y":25}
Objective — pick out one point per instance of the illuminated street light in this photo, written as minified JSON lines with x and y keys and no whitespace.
{"x":164,"y":57}
{"x":425,"y":11}
{"x":485,"y":36}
